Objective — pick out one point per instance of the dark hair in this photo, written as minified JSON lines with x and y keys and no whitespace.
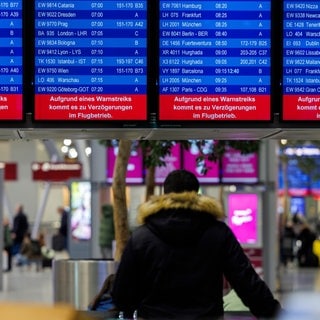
{"x":180,"y":181}
{"x":105,"y":289}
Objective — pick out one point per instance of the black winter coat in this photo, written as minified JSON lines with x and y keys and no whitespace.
{"x":173,"y":265}
{"x":20,"y":226}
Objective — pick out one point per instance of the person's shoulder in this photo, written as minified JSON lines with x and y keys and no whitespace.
{"x":142,"y":234}
{"x":217,"y":223}
{"x":140,"y":230}
{"x":219,"y":229}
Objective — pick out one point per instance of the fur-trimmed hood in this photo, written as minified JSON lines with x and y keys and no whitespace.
{"x":173,"y":201}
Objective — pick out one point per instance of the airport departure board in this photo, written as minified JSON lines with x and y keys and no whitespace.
{"x":11,"y":60}
{"x":215,"y":60}
{"x":301,"y":60}
{"x":90,"y":60}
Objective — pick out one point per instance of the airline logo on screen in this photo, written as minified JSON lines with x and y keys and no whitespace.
{"x":56,"y":171}
{"x":243,"y":217}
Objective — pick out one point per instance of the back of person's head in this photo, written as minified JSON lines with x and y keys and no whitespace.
{"x":61,"y":210}
{"x":180,"y":181}
{"x":19,"y":208}
{"x":6,"y":221}
{"x":298,"y":219}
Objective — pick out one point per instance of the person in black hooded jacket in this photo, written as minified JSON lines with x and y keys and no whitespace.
{"x":174,"y":263}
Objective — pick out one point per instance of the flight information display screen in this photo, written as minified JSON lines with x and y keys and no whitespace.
{"x":11,"y":60}
{"x":90,"y":60}
{"x":215,"y":60}
{"x":301,"y":60}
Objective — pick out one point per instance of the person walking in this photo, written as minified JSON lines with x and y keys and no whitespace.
{"x":20,"y":228}
{"x":63,"y":229}
{"x":174,"y":264}
{"x":106,"y":231}
{"x":305,"y":254}
{"x":7,"y":243}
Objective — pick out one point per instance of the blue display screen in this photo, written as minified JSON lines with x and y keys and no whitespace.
{"x":11,"y":60}
{"x":297,"y":205}
{"x":90,"y":60}
{"x":301,"y":60}
{"x":215,"y":60}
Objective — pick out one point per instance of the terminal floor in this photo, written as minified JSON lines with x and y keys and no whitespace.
{"x":28,"y":285}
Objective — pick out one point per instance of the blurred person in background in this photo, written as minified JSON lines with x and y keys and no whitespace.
{"x":63,"y":228}
{"x":30,"y":252}
{"x":287,"y":244}
{"x":19,"y":229}
{"x":106,"y":231}
{"x":306,"y":237}
{"x":7,"y":243}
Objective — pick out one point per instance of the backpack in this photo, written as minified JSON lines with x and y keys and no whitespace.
{"x":35,"y":248}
